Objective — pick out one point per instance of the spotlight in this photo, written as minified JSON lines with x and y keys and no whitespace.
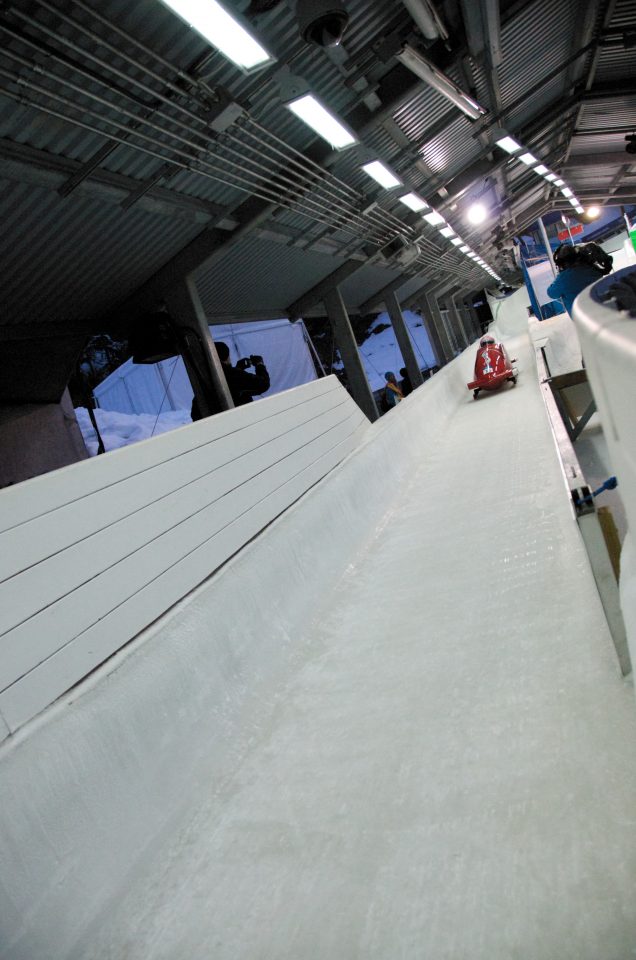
{"x":477,"y":213}
{"x":593,"y":212}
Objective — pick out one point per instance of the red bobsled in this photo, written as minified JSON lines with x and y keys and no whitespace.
{"x":492,"y":367}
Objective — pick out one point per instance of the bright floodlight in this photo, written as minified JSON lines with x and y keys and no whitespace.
{"x":542,"y":169}
{"x":508,"y":144}
{"x":312,"y":112}
{"x":434,"y":218}
{"x":566,"y":192}
{"x":477,"y":213}
{"x":447,"y":231}
{"x":528,"y":159}
{"x":381,"y":174}
{"x":457,"y":241}
{"x":413,"y":202}
{"x":593,"y":212}
{"x":222,"y":30}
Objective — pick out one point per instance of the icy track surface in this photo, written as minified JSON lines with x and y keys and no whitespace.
{"x":450,"y":773}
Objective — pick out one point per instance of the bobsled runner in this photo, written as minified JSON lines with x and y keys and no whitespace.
{"x":493,"y":367}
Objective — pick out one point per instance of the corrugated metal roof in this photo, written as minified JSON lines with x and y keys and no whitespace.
{"x":64,"y":260}
{"x":259,"y":278}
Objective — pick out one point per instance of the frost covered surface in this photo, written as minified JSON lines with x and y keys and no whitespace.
{"x":120,"y":429}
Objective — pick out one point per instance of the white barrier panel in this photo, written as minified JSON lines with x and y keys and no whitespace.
{"x":608,"y":341}
{"x":92,"y":784}
{"x":92,"y":554}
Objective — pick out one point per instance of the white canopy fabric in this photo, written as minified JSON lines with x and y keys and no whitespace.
{"x":160,"y":387}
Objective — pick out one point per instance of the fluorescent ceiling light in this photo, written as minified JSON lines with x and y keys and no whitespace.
{"x":574,"y":201}
{"x":427,"y":72}
{"x":222,"y":31}
{"x":434,"y":218}
{"x":457,"y":241}
{"x":413,"y":202}
{"x":381,"y":174}
{"x":542,"y":169}
{"x":312,"y":112}
{"x":528,"y":159}
{"x":579,"y":209}
{"x":447,"y":231}
{"x":472,"y":255}
{"x":551,"y":177}
{"x":508,"y":144}
{"x":567,"y":192}
{"x":464,"y":249}
{"x":559,"y":182}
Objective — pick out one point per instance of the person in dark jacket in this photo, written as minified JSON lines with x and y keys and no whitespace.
{"x":578,"y":268}
{"x":405,"y":383}
{"x":243,"y":386}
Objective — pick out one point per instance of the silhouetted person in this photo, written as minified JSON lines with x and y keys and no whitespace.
{"x":243,"y":386}
{"x":405,"y":384}
{"x":392,"y":393}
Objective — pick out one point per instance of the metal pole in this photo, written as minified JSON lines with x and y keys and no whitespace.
{"x":546,"y":243}
{"x":202,"y":361}
{"x":354,"y":369}
{"x":434,"y":313}
{"x":404,"y":340}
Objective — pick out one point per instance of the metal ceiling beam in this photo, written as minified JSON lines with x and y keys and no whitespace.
{"x":24,"y":164}
{"x":598,"y":160}
{"x":379,"y":298}
{"x":315,"y":294}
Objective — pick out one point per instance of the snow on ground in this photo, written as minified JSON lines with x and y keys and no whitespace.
{"x":120,"y":429}
{"x":380,"y":351}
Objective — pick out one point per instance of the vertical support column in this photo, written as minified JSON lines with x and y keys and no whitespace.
{"x":455,"y":322}
{"x":431,"y":307}
{"x":404,"y":340}
{"x":343,"y":333}
{"x":546,"y":242}
{"x":203,"y":365}
{"x":474,"y":318}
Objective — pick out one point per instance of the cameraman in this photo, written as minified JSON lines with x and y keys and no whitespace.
{"x":242,"y":385}
{"x":578,"y":268}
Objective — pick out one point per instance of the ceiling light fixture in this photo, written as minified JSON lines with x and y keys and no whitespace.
{"x":574,"y":201}
{"x":559,"y":183}
{"x":457,"y":241}
{"x":427,"y":72}
{"x":477,"y":213}
{"x":593,"y":212}
{"x":508,"y":144}
{"x":541,"y":169}
{"x":551,"y":177}
{"x":567,"y":192}
{"x":434,"y":218}
{"x":447,"y":231}
{"x":223,"y":31}
{"x":579,"y":208}
{"x":464,"y":249}
{"x":324,"y":123}
{"x":413,"y":202}
{"x":381,"y":174}
{"x":528,"y":159}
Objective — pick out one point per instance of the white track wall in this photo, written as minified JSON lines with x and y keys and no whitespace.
{"x":92,"y":554}
{"x":608,"y":341}
{"x":118,"y":756}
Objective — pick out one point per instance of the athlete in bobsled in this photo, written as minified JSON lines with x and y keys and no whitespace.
{"x":493,"y":367}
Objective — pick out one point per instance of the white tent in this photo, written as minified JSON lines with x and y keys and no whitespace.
{"x":160,"y":387}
